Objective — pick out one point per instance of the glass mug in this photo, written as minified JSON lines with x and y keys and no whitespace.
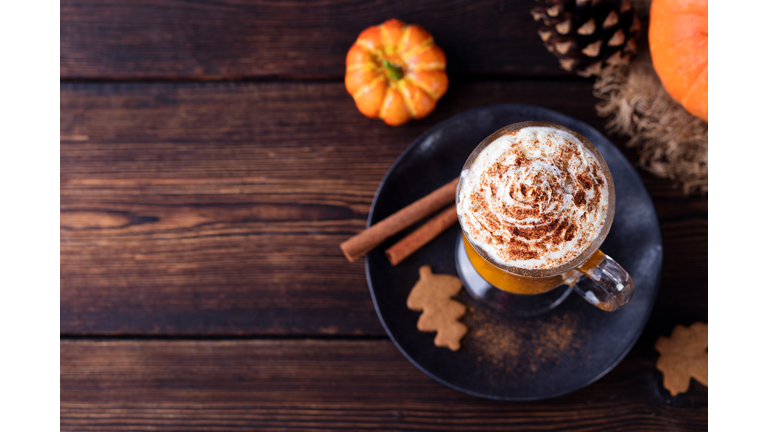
{"x":519,"y":292}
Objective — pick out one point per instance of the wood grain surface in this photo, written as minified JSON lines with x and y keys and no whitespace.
{"x":334,"y":385}
{"x":212,"y":162}
{"x":218,"y":208}
{"x":232,"y":39}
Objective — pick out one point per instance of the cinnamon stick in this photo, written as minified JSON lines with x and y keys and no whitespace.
{"x":423,"y":235}
{"x":360,"y":244}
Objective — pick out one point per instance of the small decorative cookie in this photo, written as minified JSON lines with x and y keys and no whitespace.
{"x":683,"y":356}
{"x":432,"y":295}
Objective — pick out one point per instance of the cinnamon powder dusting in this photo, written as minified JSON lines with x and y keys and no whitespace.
{"x":521,"y":348}
{"x":533,"y":199}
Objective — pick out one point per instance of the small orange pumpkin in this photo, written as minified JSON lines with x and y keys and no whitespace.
{"x":678,"y":40}
{"x":395,"y":72}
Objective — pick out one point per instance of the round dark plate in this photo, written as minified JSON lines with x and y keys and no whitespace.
{"x":526,"y":359}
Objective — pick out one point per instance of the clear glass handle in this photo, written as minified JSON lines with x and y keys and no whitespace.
{"x":604,"y":283}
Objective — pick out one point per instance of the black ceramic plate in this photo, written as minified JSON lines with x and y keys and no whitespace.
{"x":527,"y":359}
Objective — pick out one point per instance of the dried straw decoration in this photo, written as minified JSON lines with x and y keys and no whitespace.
{"x":672,"y":143}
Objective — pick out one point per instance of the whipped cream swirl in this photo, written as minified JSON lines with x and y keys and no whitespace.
{"x":534,"y":198}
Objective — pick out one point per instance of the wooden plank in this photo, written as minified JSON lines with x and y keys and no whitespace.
{"x":213,"y":130}
{"x":334,"y":385}
{"x":683,"y":297}
{"x":167,"y":39}
{"x":217,"y":208}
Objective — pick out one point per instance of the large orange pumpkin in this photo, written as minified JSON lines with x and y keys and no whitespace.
{"x":678,"y":39}
{"x":395,"y":72}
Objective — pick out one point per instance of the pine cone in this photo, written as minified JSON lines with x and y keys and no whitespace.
{"x":588,"y":36}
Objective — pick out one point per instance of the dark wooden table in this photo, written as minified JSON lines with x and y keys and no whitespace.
{"x":212,"y":162}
